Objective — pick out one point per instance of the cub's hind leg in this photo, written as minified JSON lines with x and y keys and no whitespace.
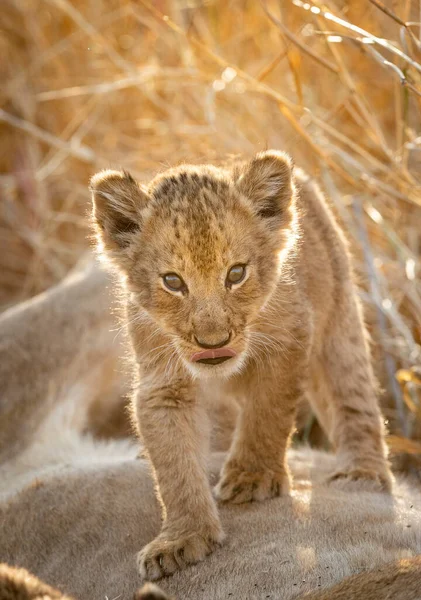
{"x":345,"y":398}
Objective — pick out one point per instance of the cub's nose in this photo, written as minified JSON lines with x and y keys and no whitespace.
{"x":213,"y":346}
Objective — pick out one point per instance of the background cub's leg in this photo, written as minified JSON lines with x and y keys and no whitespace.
{"x":256,"y":468}
{"x":174,"y":431}
{"x":346,"y":401}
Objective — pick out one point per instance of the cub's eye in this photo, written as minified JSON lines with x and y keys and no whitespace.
{"x":236,"y":275}
{"x":174,"y":282}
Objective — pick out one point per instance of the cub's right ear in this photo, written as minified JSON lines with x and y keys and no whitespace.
{"x":117,"y":201}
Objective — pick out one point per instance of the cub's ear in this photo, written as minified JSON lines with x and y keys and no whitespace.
{"x":117,"y":201}
{"x":268,"y":183}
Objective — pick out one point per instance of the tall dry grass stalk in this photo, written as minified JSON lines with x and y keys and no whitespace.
{"x":138,"y":84}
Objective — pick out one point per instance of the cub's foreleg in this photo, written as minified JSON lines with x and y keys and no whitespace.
{"x":256,"y":468}
{"x":173,"y":428}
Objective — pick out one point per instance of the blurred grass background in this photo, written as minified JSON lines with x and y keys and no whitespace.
{"x":88,"y":84}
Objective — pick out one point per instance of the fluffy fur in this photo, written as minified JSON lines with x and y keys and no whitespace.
{"x":74,"y":510}
{"x":294,"y":321}
{"x":18,"y":584}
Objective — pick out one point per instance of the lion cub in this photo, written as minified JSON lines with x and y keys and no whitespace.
{"x":237,"y":278}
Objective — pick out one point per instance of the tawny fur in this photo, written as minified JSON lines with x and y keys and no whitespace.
{"x":295,"y":322}
{"x":18,"y":584}
{"x":73,"y":510}
{"x":399,"y":580}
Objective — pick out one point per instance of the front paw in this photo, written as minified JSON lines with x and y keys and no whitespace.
{"x":237,"y":485}
{"x":169,"y":553}
{"x":381,"y":478}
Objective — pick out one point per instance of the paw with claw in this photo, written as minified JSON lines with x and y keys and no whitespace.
{"x":381,"y":478}
{"x":167,"y":553}
{"x":237,"y":485}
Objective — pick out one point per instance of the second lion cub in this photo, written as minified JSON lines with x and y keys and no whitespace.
{"x":239,"y":276}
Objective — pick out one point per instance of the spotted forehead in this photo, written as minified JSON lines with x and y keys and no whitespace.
{"x":194,"y":206}
{"x":189,"y":188}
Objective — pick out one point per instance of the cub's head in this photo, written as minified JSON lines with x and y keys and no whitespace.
{"x":201,"y":249}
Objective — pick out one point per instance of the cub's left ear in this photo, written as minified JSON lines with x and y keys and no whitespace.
{"x":267,"y":181}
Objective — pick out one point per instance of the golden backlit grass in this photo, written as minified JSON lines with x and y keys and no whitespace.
{"x":88,"y":84}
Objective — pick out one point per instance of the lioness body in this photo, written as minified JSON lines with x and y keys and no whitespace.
{"x":262,"y":274}
{"x":74,"y":510}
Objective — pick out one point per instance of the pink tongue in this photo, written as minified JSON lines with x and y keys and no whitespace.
{"x":217,"y":353}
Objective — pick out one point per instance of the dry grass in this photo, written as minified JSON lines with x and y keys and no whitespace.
{"x":141,"y":85}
